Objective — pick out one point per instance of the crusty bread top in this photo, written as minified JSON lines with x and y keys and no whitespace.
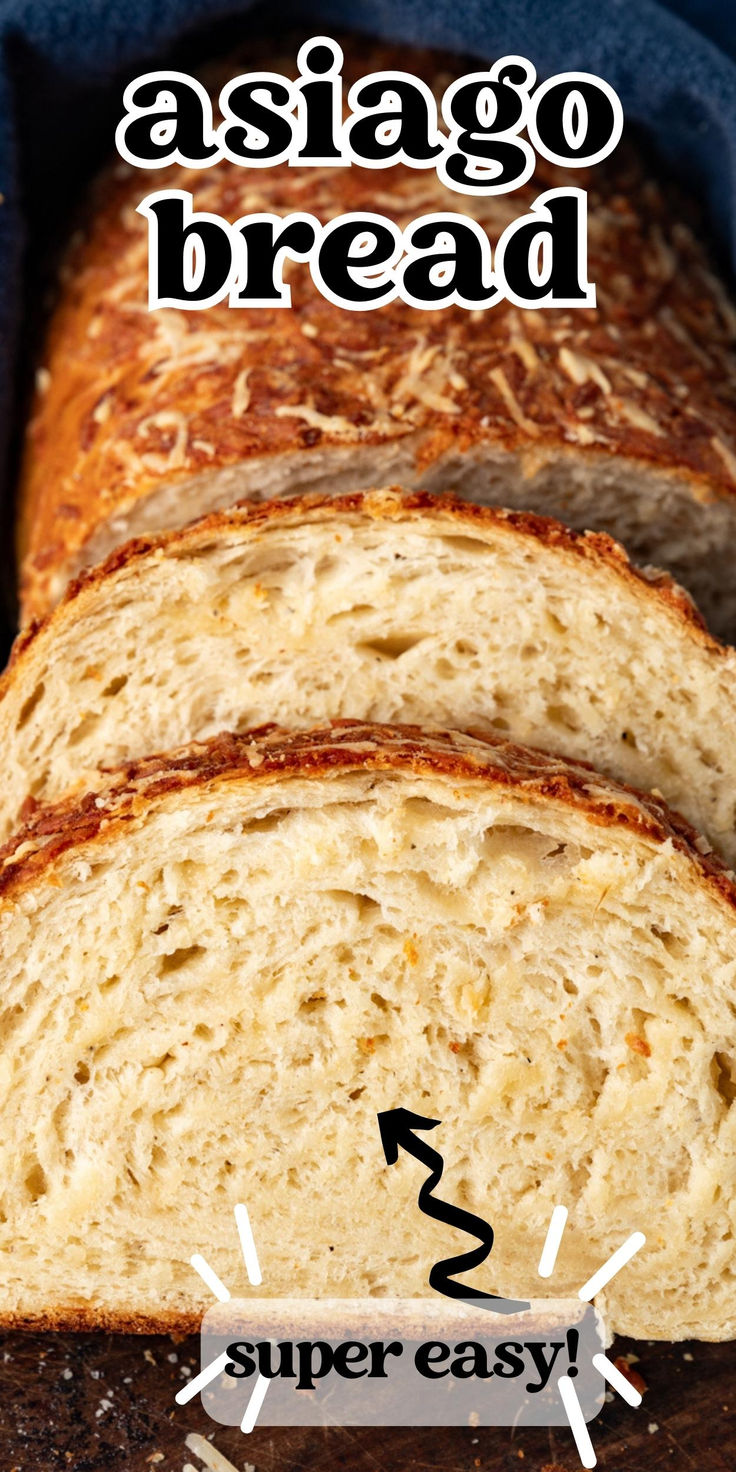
{"x":129,"y":401}
{"x":249,"y":519}
{"x":270,"y":754}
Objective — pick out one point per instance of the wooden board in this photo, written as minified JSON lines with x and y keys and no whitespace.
{"x":101,"y":1403}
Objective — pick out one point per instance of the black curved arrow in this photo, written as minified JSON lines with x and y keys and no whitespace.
{"x":396,"y":1126}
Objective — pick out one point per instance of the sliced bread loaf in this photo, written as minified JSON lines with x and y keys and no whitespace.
{"x":216,"y":971}
{"x":383,"y":608}
{"x":619,"y":418}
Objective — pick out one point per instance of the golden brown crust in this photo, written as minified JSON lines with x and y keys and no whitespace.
{"x":269,"y":753}
{"x":392,"y":502}
{"x":130,"y":401}
{"x":80,"y":1320}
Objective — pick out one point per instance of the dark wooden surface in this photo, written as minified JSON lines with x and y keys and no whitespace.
{"x":89,"y":1403}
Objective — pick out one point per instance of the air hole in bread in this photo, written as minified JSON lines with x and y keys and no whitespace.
{"x":380,"y":1002}
{"x":29,"y":705}
{"x":363,"y":902}
{"x":394,"y":646}
{"x":313,"y":1003}
{"x":84,"y":728}
{"x":562,"y":715}
{"x":36,"y":1181}
{"x":176,"y":959}
{"x":672,"y":944}
{"x":161,"y":1062}
{"x":354,"y":612}
{"x":709,"y":759}
{"x":724,"y":1077}
{"x":115,"y":685}
{"x":81,"y":1073}
{"x":266,"y":824}
{"x":463,"y":544}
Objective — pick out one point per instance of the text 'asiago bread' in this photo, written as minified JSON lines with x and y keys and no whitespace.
{"x":383,"y":607}
{"x":217,"y":970}
{"x":618,"y":417}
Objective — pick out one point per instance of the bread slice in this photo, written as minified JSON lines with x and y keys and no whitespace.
{"x":380,"y":607}
{"x":619,"y":418}
{"x":216,"y":970}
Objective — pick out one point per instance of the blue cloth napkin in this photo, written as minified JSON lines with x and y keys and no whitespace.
{"x":63,"y":62}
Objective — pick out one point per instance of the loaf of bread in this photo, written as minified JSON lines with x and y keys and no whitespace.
{"x":618,"y":418}
{"x":219,"y":967}
{"x":379,"y":607}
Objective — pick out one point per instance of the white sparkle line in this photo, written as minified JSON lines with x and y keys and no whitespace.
{"x":612,"y":1267}
{"x":552,"y":1242}
{"x":247,"y":1243}
{"x":209,"y":1276}
{"x":257,"y":1398}
{"x":203,"y":1379}
{"x":616,"y":1379}
{"x":577,"y":1421}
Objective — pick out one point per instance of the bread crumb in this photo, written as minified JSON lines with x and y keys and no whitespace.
{"x":634,"y":1378}
{"x":208,"y":1454}
{"x":652,"y":1427}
